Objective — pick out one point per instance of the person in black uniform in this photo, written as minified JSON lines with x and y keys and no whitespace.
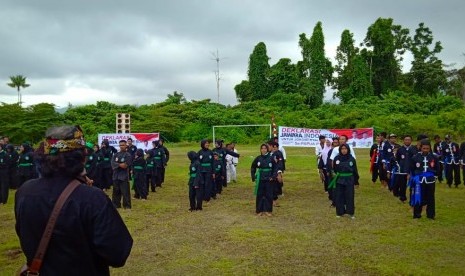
{"x":195,"y":187}
{"x":375,"y":160}
{"x":278,"y":158}
{"x":91,"y":163}
{"x":106,"y":173}
{"x":403,"y":156}
{"x":437,"y":151}
{"x":264,"y":171}
{"x":167,"y":158}
{"x":89,"y":234}
{"x":424,"y":168}
{"x":150,"y":172}
{"x":13,"y":157}
{"x":26,"y":168}
{"x":344,"y":181}
{"x":222,"y":152}
{"x":132,"y":151}
{"x":329,"y":167}
{"x":121,"y":163}
{"x":206,"y":169}
{"x":451,"y":155}
{"x":386,"y":154}
{"x":218,"y":185}
{"x":4,"y":177}
{"x":138,"y":170}
{"x":131,"y":147}
{"x":159,"y":162}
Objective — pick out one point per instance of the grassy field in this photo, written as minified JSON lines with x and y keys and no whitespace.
{"x":304,"y":237}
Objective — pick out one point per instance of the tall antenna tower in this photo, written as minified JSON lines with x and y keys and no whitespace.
{"x":216,"y":57}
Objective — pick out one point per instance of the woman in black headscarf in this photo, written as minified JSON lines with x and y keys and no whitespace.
{"x":345,"y":179}
{"x":263,"y":172}
{"x":26,"y":168}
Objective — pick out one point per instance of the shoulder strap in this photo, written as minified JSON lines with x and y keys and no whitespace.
{"x":40,"y":253}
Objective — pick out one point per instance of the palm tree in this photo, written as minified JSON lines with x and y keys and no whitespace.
{"x":18,"y":82}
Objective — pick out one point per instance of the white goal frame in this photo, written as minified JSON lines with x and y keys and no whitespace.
{"x":223,"y":126}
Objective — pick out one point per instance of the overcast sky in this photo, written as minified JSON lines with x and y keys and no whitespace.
{"x":137,"y":52}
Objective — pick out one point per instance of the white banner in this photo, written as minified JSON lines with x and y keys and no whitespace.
{"x":140,"y":140}
{"x":306,"y":137}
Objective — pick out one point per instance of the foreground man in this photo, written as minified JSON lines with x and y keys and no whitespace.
{"x":89,"y":234}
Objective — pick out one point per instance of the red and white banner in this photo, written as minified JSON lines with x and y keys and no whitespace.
{"x":306,"y":137}
{"x":140,"y":140}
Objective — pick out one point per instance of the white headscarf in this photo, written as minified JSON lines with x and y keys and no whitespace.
{"x":326,"y":148}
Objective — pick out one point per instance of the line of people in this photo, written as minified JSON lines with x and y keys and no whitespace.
{"x":16,"y":167}
{"x":208,"y":172}
{"x":398,"y":167}
{"x":407,"y":167}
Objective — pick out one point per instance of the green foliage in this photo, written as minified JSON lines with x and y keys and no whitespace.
{"x":27,"y":124}
{"x":353,"y":74}
{"x":427,"y":74}
{"x":386,"y":40}
{"x":258,"y":71}
{"x":316,"y":67}
{"x":283,"y":77}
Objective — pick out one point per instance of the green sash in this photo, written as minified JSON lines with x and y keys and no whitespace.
{"x":332,"y":184}
{"x":257,"y":178}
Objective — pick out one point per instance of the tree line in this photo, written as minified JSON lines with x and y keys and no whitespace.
{"x":179,"y":120}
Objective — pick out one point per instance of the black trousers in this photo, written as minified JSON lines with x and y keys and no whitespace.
{"x":375,"y":172}
{"x":163,"y":169}
{"x":219,"y":181}
{"x":277,"y":189}
{"x":452,"y":174}
{"x":382,"y":173}
{"x":207,"y":181}
{"x":4,"y":185}
{"x":344,"y":195}
{"x":427,"y":198}
{"x":140,"y":185}
{"x":13,"y":175}
{"x":264,"y":200}
{"x":158,"y":176}
{"x":195,"y":198}
{"x":121,"y":189}
{"x":441,"y":169}
{"x":106,"y":178}
{"x":400,"y":186}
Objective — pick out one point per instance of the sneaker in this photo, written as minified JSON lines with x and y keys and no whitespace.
{"x":352,"y":217}
{"x":268,"y":214}
{"x":338,"y":216}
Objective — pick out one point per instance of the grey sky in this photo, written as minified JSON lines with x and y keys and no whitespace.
{"x":137,"y":52}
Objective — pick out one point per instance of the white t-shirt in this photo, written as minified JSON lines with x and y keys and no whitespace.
{"x":336,"y":152}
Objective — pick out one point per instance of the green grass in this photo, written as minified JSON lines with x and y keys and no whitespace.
{"x":302,"y":238}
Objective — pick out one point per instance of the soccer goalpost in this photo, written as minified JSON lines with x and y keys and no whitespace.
{"x":224,"y":126}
